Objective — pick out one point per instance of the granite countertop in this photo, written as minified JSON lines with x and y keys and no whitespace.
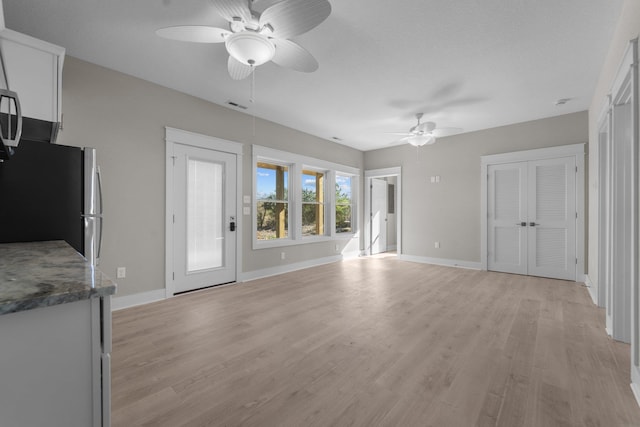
{"x":40,"y":274}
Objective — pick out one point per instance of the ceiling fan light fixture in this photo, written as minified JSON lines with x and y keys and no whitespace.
{"x":250,"y":48}
{"x":420,"y":140}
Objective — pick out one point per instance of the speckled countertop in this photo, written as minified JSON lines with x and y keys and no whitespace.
{"x":40,"y":274}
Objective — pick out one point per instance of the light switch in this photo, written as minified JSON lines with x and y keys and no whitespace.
{"x":246,"y":199}
{"x":433,"y":179}
{"x":246,"y":210}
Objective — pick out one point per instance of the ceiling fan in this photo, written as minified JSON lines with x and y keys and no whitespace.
{"x":255,"y":38}
{"x":425,"y":133}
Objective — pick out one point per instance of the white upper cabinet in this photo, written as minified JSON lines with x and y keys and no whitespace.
{"x":34,"y":71}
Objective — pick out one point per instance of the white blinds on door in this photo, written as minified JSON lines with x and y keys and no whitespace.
{"x":205,"y":225}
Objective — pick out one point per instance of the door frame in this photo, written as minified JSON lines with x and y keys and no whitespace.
{"x":381,"y":173}
{"x":575,"y":150}
{"x":178,"y":136}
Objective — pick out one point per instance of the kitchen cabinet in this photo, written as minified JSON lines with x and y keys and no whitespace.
{"x":34,"y":71}
{"x":55,"y":337}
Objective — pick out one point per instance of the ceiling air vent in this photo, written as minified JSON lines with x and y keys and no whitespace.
{"x":236,"y":105}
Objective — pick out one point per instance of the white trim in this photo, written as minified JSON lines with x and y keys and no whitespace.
{"x":282,"y":269}
{"x":575,"y":150}
{"x":380,"y":173}
{"x":126,"y":301}
{"x":178,"y":136}
{"x":635,"y":388}
{"x":279,"y":156}
{"x":535,"y":154}
{"x":591,"y":288}
{"x":441,"y":261}
{"x":203,"y":141}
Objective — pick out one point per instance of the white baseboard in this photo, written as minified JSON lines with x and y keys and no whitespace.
{"x":126,"y":301}
{"x":287,"y":268}
{"x":592,"y":290}
{"x":441,"y":261}
{"x":635,"y":388}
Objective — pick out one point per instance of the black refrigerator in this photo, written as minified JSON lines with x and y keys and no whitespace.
{"x":52,"y":192}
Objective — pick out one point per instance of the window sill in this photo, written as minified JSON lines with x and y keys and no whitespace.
{"x":266,"y":244}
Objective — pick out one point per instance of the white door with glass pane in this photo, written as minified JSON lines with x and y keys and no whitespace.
{"x":532,"y":218}
{"x":204,"y":188}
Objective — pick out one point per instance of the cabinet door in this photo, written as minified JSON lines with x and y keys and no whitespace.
{"x":33,"y":70}
{"x":507,"y":212}
{"x":552,"y":218}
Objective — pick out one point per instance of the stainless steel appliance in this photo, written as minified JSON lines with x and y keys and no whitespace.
{"x":52,"y":192}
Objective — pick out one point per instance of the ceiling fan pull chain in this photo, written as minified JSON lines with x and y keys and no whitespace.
{"x":251,"y":99}
{"x":253,"y":84}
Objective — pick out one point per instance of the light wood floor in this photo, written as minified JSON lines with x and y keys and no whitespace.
{"x":372,"y":342}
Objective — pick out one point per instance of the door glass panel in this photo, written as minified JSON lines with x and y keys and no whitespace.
{"x":205,"y":222}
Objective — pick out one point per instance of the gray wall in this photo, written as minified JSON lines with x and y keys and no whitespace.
{"x":449,"y":212}
{"x":124,"y":118}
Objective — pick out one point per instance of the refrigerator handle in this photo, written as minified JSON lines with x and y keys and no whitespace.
{"x":100,"y":218}
{"x":99,"y":175}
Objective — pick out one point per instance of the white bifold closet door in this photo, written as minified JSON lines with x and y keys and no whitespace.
{"x":532,"y":218}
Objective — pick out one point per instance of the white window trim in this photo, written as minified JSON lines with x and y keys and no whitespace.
{"x":297,"y":163}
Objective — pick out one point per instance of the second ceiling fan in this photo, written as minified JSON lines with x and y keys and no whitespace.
{"x":425,"y":133}
{"x":254,"y":38}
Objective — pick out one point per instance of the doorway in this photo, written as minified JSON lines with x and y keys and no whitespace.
{"x":202,"y":207}
{"x":383,"y":202}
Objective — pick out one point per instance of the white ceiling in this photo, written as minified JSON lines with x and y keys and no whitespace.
{"x":472,"y":64}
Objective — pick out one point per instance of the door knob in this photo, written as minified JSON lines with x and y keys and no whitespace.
{"x":533,"y":224}
{"x":522,"y":224}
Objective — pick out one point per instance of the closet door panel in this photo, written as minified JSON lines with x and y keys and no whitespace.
{"x":506,"y":237}
{"x":552,"y":218}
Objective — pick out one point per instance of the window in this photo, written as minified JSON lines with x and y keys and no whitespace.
{"x":313,"y":218}
{"x":299,"y":199}
{"x":344,"y":204}
{"x":272,"y":195}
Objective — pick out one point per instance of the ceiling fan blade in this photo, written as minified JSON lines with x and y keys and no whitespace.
{"x":290,"y":18}
{"x":238,"y":70}
{"x":230,"y":9}
{"x":440,"y":132}
{"x":194,"y":33}
{"x":292,"y":55}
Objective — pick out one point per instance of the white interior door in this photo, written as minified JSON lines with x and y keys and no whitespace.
{"x":204,"y":218}
{"x":531,"y":218}
{"x":507,"y":218}
{"x":552,"y":218}
{"x":378,"y":216}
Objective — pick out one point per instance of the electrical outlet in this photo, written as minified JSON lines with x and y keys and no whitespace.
{"x":436,"y":245}
{"x":437,"y":179}
{"x":433,"y":179}
{"x":246,"y":199}
{"x":337,"y":248}
{"x":283,"y":255}
{"x":121,"y":273}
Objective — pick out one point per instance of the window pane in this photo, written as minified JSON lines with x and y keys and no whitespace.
{"x":272,"y":182}
{"x":343,"y":189}
{"x":205,"y":228}
{"x":272,"y":193}
{"x":343,"y":219}
{"x":273,"y":220}
{"x":344,"y":210}
{"x":312,"y":214}
{"x":312,"y":203}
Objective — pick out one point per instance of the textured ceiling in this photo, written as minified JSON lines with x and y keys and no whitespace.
{"x":471,"y":64}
